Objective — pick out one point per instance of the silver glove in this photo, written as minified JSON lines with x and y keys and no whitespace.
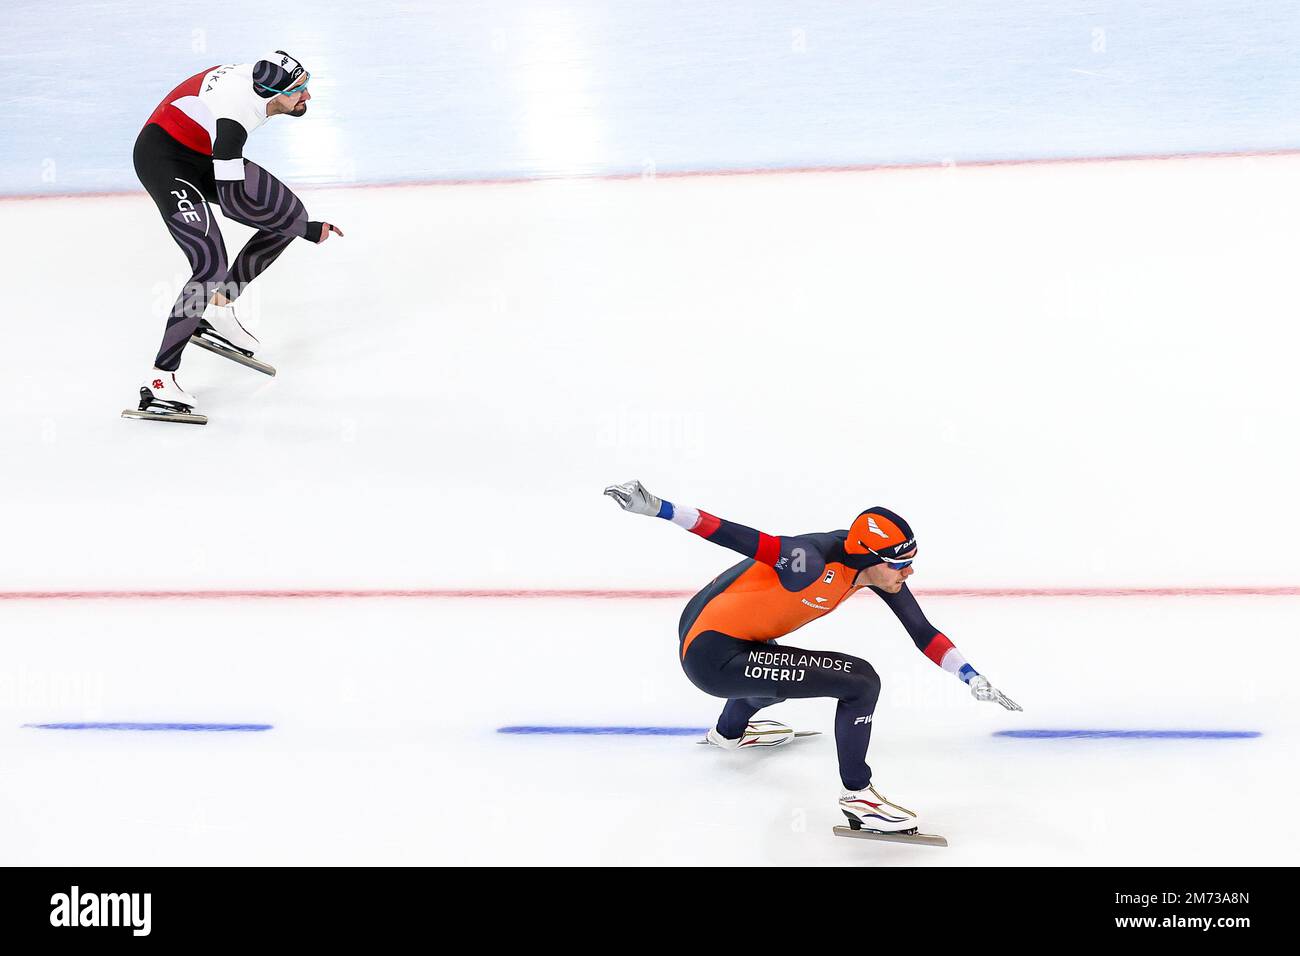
{"x":981,"y":689}
{"x":632,"y":496}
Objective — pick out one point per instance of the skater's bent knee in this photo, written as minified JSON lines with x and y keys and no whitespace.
{"x":864,"y":684}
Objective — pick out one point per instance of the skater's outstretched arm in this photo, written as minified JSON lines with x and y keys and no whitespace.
{"x":928,"y":639}
{"x":935,"y":645}
{"x":249,"y":194}
{"x":764,"y":548}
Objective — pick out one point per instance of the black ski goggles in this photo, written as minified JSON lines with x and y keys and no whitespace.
{"x":895,"y":564}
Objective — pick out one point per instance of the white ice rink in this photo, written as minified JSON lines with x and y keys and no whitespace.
{"x":1065,"y":376}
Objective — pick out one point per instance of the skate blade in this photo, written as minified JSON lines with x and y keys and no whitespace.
{"x":797,"y":733}
{"x":183,"y":418}
{"x":920,"y":839}
{"x":233,"y":354}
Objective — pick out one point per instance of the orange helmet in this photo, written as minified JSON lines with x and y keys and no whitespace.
{"x":876,"y":536}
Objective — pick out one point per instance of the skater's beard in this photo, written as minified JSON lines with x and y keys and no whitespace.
{"x":299,"y":111}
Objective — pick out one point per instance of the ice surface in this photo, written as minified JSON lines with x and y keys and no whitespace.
{"x":384,"y":748}
{"x":1063,"y":376}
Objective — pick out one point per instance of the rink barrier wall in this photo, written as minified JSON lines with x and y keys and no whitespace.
{"x":608,"y":594}
{"x":700,"y":173}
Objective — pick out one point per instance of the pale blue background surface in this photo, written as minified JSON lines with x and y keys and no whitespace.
{"x":511,"y":88}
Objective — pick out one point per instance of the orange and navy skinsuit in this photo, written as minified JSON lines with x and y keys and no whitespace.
{"x":729,"y":630}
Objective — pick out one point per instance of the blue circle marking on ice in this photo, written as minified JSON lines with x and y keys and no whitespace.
{"x":1128,"y":734}
{"x":122,"y":725}
{"x":637,"y":731}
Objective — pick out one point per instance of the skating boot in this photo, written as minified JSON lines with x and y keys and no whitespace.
{"x":758,"y":733}
{"x":163,"y":399}
{"x":868,"y":810}
{"x":220,"y":331}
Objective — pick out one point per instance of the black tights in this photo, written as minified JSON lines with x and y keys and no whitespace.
{"x":181,"y":184}
{"x":757,"y":674}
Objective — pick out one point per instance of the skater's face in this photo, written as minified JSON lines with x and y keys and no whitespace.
{"x":291,"y":104}
{"x":886,"y":578}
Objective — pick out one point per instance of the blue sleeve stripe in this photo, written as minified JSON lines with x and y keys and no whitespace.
{"x":967,"y":672}
{"x":666,"y":510}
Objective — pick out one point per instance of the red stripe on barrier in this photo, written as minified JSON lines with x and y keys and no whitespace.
{"x":697,"y":173}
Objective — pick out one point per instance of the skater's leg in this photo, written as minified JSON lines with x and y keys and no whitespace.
{"x":254,"y":259}
{"x":853,"y":717}
{"x":180,"y":183}
{"x":725,"y":666}
{"x":207,"y":255}
{"x":737,"y":714}
{"x":261,"y":250}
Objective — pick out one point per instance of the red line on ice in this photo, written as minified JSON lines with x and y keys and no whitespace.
{"x":606,"y":593}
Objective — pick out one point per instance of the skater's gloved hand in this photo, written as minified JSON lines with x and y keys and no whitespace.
{"x":981,"y":689}
{"x":632,"y":496}
{"x":320,"y":231}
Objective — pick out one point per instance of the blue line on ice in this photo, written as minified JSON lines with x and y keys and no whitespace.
{"x":1129,"y":734}
{"x":148,"y":726}
{"x":641,"y":731}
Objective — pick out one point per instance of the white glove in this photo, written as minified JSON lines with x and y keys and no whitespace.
{"x":632,"y":496}
{"x":981,"y":689}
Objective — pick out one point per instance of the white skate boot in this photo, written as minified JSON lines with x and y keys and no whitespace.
{"x":220,"y":331}
{"x":758,"y":733}
{"x":868,"y":810}
{"x":220,"y":321}
{"x":163,"y":399}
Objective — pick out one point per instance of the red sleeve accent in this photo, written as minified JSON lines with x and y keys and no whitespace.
{"x":706,"y":525}
{"x":938,"y":646}
{"x":769,"y":549}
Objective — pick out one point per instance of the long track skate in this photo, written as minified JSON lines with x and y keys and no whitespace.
{"x":796,"y":734}
{"x":205,"y":338}
{"x":152,"y":409}
{"x":859,"y":832}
